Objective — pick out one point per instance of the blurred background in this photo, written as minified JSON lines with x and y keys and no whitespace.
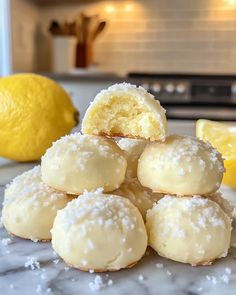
{"x":182,"y":51}
{"x":143,"y":35}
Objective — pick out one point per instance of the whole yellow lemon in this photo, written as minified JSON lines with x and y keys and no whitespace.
{"x":34,"y":112}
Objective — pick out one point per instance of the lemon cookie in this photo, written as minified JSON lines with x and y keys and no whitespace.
{"x":181,"y":165}
{"x":76,"y":163}
{"x":192,"y":230}
{"x":133,"y":148}
{"x":99,"y":232}
{"x":143,"y":198}
{"x":224,"y":204}
{"x":30,"y":206}
{"x":125,"y":110}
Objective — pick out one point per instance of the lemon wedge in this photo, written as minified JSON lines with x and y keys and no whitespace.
{"x":223,"y":138}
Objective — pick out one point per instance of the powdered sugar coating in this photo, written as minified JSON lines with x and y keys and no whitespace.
{"x":83,"y":230}
{"x":190,"y":147}
{"x":27,"y":199}
{"x":220,"y":279}
{"x":75,"y":143}
{"x":143,"y":198}
{"x":92,"y":208}
{"x":138,"y":91}
{"x":127,"y":87}
{"x":6,"y":241}
{"x":83,"y":162}
{"x":133,"y":148}
{"x":30,"y":183}
{"x":181,"y":165}
{"x":224,"y":204}
{"x":32,"y":263}
{"x":193,"y":225}
{"x":102,"y":118}
{"x":208,"y":214}
{"x":99,"y":283}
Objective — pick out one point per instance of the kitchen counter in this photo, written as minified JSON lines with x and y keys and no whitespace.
{"x":87,"y":76}
{"x":47,"y":274}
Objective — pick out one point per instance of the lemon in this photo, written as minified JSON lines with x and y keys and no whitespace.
{"x":34,"y":112}
{"x":223,"y":138}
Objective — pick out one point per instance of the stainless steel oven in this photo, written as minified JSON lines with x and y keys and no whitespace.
{"x":189,"y":97}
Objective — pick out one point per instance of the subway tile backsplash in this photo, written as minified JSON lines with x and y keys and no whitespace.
{"x":196,"y":36}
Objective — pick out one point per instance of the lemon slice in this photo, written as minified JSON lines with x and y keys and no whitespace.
{"x":223,"y":138}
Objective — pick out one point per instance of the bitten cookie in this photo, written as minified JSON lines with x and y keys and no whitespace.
{"x":125,"y":110}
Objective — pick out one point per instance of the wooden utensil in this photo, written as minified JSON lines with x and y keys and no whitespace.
{"x":55,"y":28}
{"x":100,"y":27}
{"x":65,"y":28}
{"x":72,"y":28}
{"x":79,"y":29}
{"x":86,"y":21}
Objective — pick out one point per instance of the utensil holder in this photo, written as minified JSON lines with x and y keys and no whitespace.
{"x":63,"y":57}
{"x":84,"y":55}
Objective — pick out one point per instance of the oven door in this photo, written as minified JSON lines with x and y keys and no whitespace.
{"x":194,"y":112}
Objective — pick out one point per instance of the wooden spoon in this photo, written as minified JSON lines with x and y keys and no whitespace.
{"x":97,"y":31}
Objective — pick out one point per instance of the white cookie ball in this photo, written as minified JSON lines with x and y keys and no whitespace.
{"x":133,"y":149}
{"x":222,"y":202}
{"x":76,"y":163}
{"x":181,"y":165}
{"x":99,"y":232}
{"x":30,"y":206}
{"x":143,"y":198}
{"x":191,"y":230}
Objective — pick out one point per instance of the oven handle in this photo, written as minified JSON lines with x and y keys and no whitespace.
{"x":203,"y":112}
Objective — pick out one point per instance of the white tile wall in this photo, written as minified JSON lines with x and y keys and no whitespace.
{"x":24,"y":25}
{"x":154,"y":35}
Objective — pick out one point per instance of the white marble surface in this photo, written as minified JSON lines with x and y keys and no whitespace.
{"x":174,"y":278}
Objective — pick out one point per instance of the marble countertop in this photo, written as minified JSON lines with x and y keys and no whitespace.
{"x":153,"y":275}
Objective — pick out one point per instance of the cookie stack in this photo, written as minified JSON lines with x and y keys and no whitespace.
{"x":189,"y":172}
{"x":93,"y":193}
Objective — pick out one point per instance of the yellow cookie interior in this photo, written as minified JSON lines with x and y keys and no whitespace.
{"x":125,"y":110}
